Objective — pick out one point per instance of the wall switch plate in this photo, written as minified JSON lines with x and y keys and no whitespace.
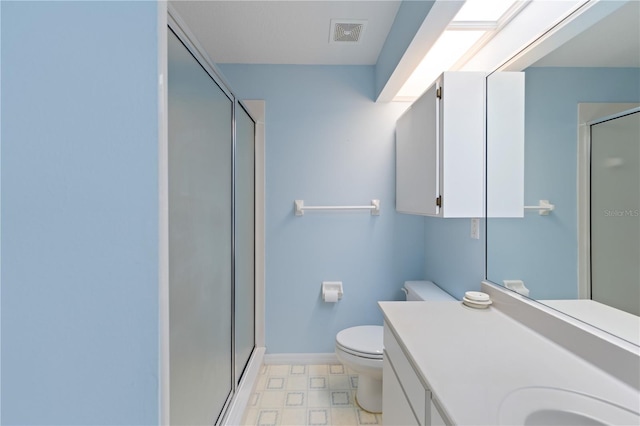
{"x":475,"y":229}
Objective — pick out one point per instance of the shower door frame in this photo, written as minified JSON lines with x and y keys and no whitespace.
{"x":588,"y":114}
{"x":169,"y":19}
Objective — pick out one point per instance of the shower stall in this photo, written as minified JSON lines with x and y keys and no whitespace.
{"x":615,"y":210}
{"x":211,"y":237}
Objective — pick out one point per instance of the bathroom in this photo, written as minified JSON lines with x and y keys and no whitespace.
{"x":80,"y":266}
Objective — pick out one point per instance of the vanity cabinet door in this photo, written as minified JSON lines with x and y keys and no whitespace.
{"x":411,"y":389}
{"x":395,"y":406}
{"x":439,"y":149}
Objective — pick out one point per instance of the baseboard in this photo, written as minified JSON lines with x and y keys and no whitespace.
{"x":245,"y":389}
{"x":301,"y":359}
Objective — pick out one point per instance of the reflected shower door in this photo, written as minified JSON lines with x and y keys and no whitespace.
{"x":244,"y":240}
{"x":200,"y":226}
{"x":615,"y":212}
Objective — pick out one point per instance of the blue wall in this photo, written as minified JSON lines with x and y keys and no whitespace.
{"x":545,"y":251}
{"x":79,"y":206}
{"x":328,"y":143}
{"x":454,"y":260}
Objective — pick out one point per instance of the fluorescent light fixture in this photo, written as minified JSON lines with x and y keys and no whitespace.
{"x":483,"y":10}
{"x":445,"y":52}
{"x":474,"y":20}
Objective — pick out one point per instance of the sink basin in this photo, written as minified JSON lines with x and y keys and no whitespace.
{"x":542,"y":406}
{"x":558,"y":417}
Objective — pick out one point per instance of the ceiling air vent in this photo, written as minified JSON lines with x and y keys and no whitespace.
{"x":347,"y":30}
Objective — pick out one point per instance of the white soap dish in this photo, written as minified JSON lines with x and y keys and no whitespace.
{"x":477,"y":296}
{"x":476,"y":299}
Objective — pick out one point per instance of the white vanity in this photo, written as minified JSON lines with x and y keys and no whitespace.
{"x":446,"y":363}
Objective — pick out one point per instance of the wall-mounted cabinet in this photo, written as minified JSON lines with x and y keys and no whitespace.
{"x":505,"y":144}
{"x":439,"y":149}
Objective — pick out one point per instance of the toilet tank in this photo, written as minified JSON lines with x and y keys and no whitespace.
{"x":425,"y":290}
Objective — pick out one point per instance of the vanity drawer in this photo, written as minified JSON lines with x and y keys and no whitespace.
{"x":417,"y":395}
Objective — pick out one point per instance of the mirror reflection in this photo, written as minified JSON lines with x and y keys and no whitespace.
{"x":581,"y":153}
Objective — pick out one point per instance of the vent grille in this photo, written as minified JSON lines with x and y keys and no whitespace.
{"x":346,"y":31}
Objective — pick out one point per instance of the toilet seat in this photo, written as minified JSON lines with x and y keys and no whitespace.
{"x":363,"y":341}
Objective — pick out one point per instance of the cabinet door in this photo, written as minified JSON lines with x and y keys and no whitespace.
{"x":462,"y":144}
{"x":417,"y":152}
{"x":505,"y":144}
{"x":395,"y":407}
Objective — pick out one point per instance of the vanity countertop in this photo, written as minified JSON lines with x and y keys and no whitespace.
{"x":612,"y":320}
{"x":471,"y":359}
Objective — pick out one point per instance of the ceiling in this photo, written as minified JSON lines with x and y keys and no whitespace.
{"x":612,"y":42}
{"x":298,"y":32}
{"x":288,"y":31}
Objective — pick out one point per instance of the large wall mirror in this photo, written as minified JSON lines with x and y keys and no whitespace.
{"x":581,"y":153}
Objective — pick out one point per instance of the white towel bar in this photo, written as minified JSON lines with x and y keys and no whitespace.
{"x":544,"y":208}
{"x":299,"y":207}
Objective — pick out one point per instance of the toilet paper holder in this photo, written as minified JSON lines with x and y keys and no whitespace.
{"x":331,"y":291}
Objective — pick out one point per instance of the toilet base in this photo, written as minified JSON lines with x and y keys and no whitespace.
{"x":369,"y":394}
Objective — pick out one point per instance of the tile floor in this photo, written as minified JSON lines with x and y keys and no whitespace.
{"x":300,"y":395}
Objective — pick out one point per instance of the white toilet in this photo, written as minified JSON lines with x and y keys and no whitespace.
{"x":360,"y":348}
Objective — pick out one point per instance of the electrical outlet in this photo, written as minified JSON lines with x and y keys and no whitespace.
{"x":475,"y":229}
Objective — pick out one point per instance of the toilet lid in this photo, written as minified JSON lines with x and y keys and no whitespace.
{"x":364,"y":339}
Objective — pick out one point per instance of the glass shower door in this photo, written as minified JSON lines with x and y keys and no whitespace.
{"x":244,"y":240}
{"x":200,"y":238}
{"x":615,"y":212}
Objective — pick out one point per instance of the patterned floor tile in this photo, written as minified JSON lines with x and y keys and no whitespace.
{"x":353,"y":380}
{"x":272,"y":399}
{"x":366,"y":418}
{"x":250,"y":417}
{"x":298,"y":369}
{"x":339,"y":382}
{"x":295,"y":399}
{"x":268,"y":417}
{"x":318,"y":370}
{"x":298,"y":382}
{"x":337,"y":369}
{"x":318,"y":399}
{"x":318,"y":382}
{"x":276,"y":383}
{"x":341,"y":398}
{"x":319,"y":416}
{"x":254,"y":400}
{"x":305,"y":395}
{"x":279,"y":370}
{"x":261,"y":382}
{"x":343,"y":417}
{"x":294,"y":417}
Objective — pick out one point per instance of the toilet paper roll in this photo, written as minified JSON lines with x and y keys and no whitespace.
{"x":330,"y":296}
